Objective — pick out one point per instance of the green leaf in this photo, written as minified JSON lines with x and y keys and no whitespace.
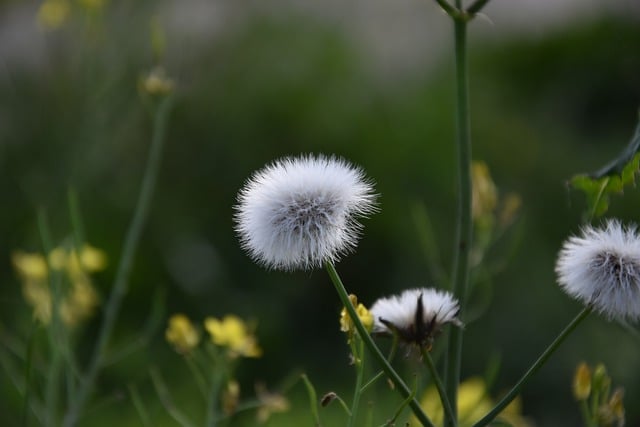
{"x":611,"y":178}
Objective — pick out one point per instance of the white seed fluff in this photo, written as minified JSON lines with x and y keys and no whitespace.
{"x":601,"y":267}
{"x":439,"y":307}
{"x":297,"y":213}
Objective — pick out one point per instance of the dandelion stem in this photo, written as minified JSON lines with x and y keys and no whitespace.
{"x":463,"y":236}
{"x":534,"y":368}
{"x":426,"y":356}
{"x":121,"y":282}
{"x":371,"y":346}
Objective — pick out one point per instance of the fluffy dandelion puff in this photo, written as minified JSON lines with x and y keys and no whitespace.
{"x":416,"y":315}
{"x":601,"y":268}
{"x":297,"y":213}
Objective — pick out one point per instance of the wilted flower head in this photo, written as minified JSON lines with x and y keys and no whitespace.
{"x":297,"y":213}
{"x":601,"y":268}
{"x":416,"y":315}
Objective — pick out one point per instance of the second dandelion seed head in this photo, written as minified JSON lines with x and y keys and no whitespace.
{"x":416,"y":315}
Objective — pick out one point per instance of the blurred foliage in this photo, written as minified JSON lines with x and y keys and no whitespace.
{"x":543,"y":108}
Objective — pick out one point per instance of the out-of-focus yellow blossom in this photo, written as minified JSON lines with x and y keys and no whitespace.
{"x":232,"y":332}
{"x":510,"y":206}
{"x":156,"y":83}
{"x":79,"y":303}
{"x":484,"y":192}
{"x":30,"y":266}
{"x":270,"y":403}
{"x":346,"y":324}
{"x":473,"y":403}
{"x":182,"y":334}
{"x":92,"y":5}
{"x":92,"y":259}
{"x":231,"y":397}
{"x":52,"y":14}
{"x":78,"y":297}
{"x":582,"y":382}
{"x":600,"y":407}
{"x":36,"y":294}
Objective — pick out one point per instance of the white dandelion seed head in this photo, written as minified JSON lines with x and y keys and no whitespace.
{"x":601,"y":268}
{"x":402,"y":313}
{"x":299,"y":212}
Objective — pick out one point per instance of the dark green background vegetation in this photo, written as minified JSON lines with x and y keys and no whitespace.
{"x":543,"y":108}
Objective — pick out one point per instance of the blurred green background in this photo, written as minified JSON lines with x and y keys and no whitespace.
{"x":550,"y":99}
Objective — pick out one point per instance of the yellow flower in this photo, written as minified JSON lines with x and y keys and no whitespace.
{"x":269,"y":403}
{"x":37,"y":295}
{"x":92,"y":259}
{"x":78,"y":297}
{"x":52,"y":14}
{"x":79,"y":303}
{"x":157,"y":83}
{"x":231,"y":397}
{"x":30,"y":266}
{"x":231,"y":332}
{"x":346,"y":324}
{"x":92,"y":5}
{"x":582,"y":382}
{"x":484,"y":191}
{"x":182,"y":334}
{"x":473,"y":403}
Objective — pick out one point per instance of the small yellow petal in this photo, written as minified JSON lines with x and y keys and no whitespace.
{"x":582,"y":382}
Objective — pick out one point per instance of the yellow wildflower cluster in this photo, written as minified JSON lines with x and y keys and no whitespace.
{"x":78,"y":297}
{"x":346,"y":323}
{"x":473,"y":403}
{"x":604,"y":409}
{"x":231,"y":333}
{"x":182,"y":334}
{"x":485,"y":198}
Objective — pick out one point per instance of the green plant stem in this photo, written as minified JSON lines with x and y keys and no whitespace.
{"x":426,"y":356}
{"x":477,"y":6}
{"x":313,"y":399}
{"x":463,"y":234}
{"x":375,"y":351}
{"x":359,"y":364}
{"x":534,"y":368}
{"x":55,"y":329}
{"x":121,"y":282}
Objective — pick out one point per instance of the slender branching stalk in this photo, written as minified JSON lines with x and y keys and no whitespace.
{"x":130,"y":246}
{"x":491,"y":415}
{"x":373,"y":348}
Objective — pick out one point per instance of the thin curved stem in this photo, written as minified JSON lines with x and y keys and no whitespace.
{"x":130,"y":246}
{"x":534,"y":368}
{"x":373,"y":348}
